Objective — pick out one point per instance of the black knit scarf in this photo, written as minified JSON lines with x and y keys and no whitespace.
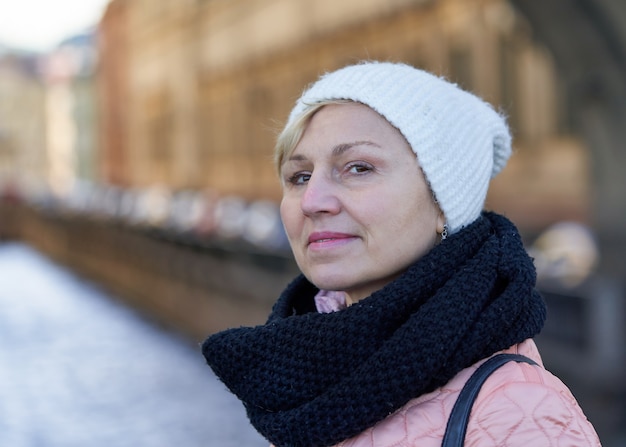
{"x":311,"y":379}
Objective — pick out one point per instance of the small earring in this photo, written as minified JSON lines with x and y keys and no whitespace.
{"x":444,"y":233}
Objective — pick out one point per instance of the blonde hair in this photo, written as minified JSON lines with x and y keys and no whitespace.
{"x":291,"y":135}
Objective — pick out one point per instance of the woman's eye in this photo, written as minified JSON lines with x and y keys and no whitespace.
{"x":359,"y":168}
{"x":299,"y":178}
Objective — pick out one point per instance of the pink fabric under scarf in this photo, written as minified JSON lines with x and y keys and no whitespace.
{"x":327,"y":301}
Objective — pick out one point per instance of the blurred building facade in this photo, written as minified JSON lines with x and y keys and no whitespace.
{"x":113,"y":93}
{"x":69,"y":72}
{"x":22,"y":121}
{"x":48,"y":126}
{"x":204,"y":85}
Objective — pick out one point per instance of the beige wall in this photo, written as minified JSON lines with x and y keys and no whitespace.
{"x":160,"y":92}
{"x":237,"y":32}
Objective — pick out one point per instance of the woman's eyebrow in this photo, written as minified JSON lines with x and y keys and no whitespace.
{"x":338,"y":149}
{"x":297,"y":157}
{"x":343,"y":147}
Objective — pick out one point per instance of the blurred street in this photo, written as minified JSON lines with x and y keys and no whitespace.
{"x":79,"y":369}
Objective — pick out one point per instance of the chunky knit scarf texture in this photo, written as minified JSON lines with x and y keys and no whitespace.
{"x":315,"y":379}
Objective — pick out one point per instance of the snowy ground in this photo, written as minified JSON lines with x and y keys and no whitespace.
{"x":77,"y":369}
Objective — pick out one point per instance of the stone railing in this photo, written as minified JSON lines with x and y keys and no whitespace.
{"x":196,"y":287}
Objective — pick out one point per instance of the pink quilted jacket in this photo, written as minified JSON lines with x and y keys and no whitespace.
{"x":519,"y":405}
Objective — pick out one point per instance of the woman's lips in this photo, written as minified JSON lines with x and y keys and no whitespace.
{"x":325,"y":239}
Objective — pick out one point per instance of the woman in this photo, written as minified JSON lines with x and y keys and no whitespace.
{"x":407,"y":285}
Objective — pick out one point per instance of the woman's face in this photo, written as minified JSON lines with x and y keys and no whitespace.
{"x":356,"y":207}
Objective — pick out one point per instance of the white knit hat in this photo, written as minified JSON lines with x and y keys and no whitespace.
{"x":460,"y":141}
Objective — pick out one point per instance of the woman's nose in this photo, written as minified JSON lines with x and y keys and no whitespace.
{"x":320,"y":196}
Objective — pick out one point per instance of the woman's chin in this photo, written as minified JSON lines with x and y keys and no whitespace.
{"x":325,"y":281}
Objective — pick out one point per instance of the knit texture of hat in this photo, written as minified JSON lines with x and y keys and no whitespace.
{"x":460,"y":141}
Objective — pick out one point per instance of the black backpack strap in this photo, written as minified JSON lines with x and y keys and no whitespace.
{"x":459,"y":417}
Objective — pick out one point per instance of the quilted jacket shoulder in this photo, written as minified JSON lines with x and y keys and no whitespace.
{"x":519,"y":405}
